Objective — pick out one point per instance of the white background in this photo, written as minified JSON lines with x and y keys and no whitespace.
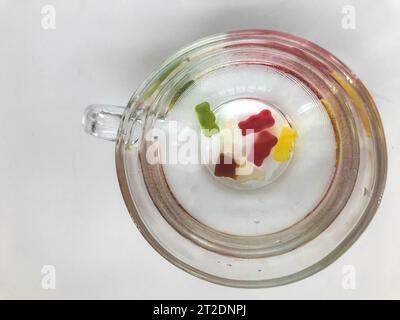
{"x":59,"y":198}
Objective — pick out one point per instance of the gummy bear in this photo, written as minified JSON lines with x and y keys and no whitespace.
{"x":257,"y":122}
{"x":246,"y":171}
{"x":206,"y":119}
{"x":284,"y":146}
{"x":242,"y":172}
{"x":226,"y":167}
{"x":264,"y":141}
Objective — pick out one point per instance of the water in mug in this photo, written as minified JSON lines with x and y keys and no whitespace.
{"x":290,"y":189}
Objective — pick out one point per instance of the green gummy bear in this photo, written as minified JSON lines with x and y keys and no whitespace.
{"x":206,"y":119}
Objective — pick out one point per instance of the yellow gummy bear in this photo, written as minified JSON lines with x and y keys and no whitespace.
{"x":283,"y":148}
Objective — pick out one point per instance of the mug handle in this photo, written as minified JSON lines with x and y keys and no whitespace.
{"x":102,"y":121}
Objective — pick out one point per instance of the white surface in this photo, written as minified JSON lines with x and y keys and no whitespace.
{"x":60,"y":203}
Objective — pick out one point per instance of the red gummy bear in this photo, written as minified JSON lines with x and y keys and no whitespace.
{"x":226,"y":167}
{"x":257,"y":122}
{"x":263,"y":143}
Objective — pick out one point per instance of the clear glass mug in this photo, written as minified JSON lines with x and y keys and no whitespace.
{"x":192,"y":229}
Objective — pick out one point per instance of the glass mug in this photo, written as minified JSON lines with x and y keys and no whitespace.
{"x":304,"y":213}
